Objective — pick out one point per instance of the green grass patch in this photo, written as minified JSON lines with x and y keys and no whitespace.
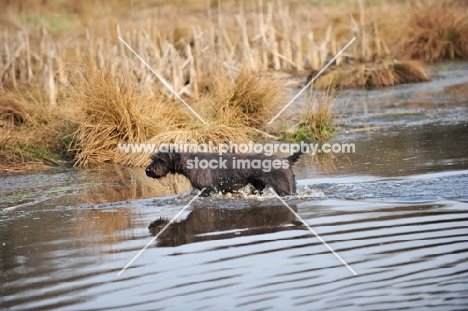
{"x":17,"y":197}
{"x":34,"y":153}
{"x":56,"y":23}
{"x":307,"y":132}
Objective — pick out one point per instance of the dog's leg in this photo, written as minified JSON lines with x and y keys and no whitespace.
{"x":258,"y":184}
{"x":285,"y":187}
{"x":283,"y":184}
{"x":281,"y":191}
{"x":209,"y":191}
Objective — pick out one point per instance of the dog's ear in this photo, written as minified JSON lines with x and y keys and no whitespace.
{"x":154,"y":156}
{"x":167,"y":159}
{"x":160,"y":156}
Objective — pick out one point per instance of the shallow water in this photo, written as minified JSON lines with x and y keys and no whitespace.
{"x":396,"y":211}
{"x":409,"y":251}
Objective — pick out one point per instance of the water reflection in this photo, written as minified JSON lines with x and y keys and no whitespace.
{"x":118,"y":183}
{"x":213,"y":223}
{"x":246,"y":255}
{"x":71,"y":187}
{"x":102,"y":226}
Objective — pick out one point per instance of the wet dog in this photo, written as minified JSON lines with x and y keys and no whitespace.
{"x":227,"y":172}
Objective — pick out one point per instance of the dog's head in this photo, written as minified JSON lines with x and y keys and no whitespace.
{"x":162,"y":163}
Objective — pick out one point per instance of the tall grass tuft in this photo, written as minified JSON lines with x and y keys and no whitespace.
{"x":436,"y":33}
{"x":315,"y":122}
{"x":373,"y":74}
{"x":255,"y":97}
{"x":113,"y":113}
{"x":34,"y":134}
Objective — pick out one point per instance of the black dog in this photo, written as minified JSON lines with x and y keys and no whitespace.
{"x":227,"y":172}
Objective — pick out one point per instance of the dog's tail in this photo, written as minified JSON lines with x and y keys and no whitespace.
{"x":294,"y":157}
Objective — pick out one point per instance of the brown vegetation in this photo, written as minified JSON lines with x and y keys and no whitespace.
{"x":116,"y":113}
{"x":436,"y":32}
{"x":113,"y":113}
{"x":373,"y":74}
{"x":222,"y":64}
{"x":252,"y":97}
{"x":32,"y":134}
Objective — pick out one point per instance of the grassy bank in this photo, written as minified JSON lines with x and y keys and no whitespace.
{"x":71,"y":90}
{"x":34,"y":134}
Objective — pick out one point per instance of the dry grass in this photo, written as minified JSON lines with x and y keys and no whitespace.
{"x":33,"y":133}
{"x":12,"y":110}
{"x":116,"y":113}
{"x":233,"y":111}
{"x":220,"y":61}
{"x":374,"y":74}
{"x":436,"y":32}
{"x":372,"y":63}
{"x":251,"y":99}
{"x":255,"y":97}
{"x":314,"y":123}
